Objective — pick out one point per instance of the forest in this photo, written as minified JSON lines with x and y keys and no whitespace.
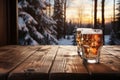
{"x":52,"y":22}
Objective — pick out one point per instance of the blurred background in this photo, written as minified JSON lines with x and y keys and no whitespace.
{"x":54,"y":22}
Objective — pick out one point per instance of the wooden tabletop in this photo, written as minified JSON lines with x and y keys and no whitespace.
{"x":56,"y":63}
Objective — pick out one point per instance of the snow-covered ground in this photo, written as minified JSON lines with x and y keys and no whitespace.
{"x":69,"y":41}
{"x":107,"y":37}
{"x":66,"y":41}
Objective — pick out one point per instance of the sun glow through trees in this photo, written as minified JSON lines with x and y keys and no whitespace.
{"x":84,"y":10}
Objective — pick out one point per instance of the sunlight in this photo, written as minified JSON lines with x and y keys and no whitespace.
{"x":72,"y":12}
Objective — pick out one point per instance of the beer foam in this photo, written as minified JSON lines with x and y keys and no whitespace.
{"x":81,"y":29}
{"x":92,"y":31}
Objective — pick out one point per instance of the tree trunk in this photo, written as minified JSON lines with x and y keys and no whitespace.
{"x":114,"y":26}
{"x":103,"y":20}
{"x":59,"y":17}
{"x":64,"y":18}
{"x":95,"y":14}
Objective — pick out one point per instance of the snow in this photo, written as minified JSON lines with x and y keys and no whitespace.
{"x":53,"y":31}
{"x":19,"y":6}
{"x":41,"y":3}
{"x":35,"y":25}
{"x":66,"y":41}
{"x":51,"y":37}
{"x":28,"y":18}
{"x":21,"y":24}
{"x":48,"y":20}
{"x":39,"y":35}
{"x":107,"y":37}
{"x":47,"y":3}
{"x":34,"y":42}
{"x":38,"y":11}
{"x":24,"y":3}
{"x":36,"y":33}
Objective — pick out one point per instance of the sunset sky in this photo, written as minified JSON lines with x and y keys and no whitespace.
{"x":85,"y":8}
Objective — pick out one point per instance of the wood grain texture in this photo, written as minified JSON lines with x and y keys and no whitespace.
{"x":37,"y":66}
{"x":107,"y":69}
{"x":110,"y":57}
{"x":114,"y":50}
{"x":68,"y":65}
{"x":102,"y":72}
{"x":13,"y":56}
{"x":56,"y":63}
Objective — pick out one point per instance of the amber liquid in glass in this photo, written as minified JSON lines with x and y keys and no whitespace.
{"x":91,"y":47}
{"x":78,"y":40}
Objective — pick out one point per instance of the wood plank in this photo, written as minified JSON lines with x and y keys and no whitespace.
{"x":6,"y":49}
{"x":114,"y":50}
{"x":37,"y":66}
{"x":11,"y":57}
{"x":6,"y":57}
{"x":107,"y":69}
{"x":56,"y":63}
{"x":110,"y":60}
{"x":68,"y":65}
{"x":102,"y":72}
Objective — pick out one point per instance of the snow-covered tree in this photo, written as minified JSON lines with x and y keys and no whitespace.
{"x":115,"y":34}
{"x":59,"y":17}
{"x":118,"y":20}
{"x":34,"y":26}
{"x":74,"y":35}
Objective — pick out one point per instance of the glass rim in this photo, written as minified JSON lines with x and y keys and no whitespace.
{"x":80,"y":29}
{"x":92,"y":31}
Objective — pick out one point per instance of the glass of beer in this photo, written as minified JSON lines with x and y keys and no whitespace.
{"x":92,"y":43}
{"x":79,"y":39}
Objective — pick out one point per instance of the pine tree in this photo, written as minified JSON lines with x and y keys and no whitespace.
{"x":115,"y":36}
{"x":74,"y":36}
{"x":103,"y":20}
{"x":118,"y":21}
{"x":59,"y":18}
{"x":35,"y":27}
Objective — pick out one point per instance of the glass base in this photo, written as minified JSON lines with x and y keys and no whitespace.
{"x":91,"y":60}
{"x":80,"y":53}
